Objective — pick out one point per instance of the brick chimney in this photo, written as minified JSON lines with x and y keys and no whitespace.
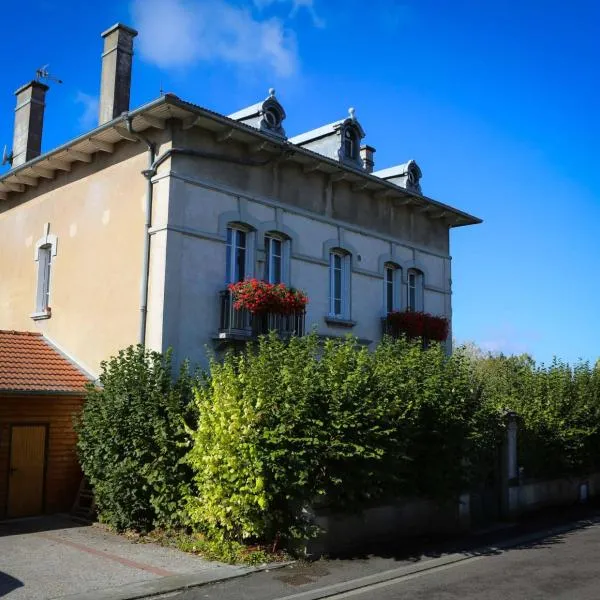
{"x":29,"y":121}
{"x":115,"y":84}
{"x":366,"y":155}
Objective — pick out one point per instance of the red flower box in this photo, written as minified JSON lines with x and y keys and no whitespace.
{"x":260,"y":297}
{"x":415,"y":324}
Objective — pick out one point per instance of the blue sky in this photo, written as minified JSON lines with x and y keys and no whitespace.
{"x":497,"y":102}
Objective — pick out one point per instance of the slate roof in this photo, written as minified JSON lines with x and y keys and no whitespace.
{"x":29,"y":363}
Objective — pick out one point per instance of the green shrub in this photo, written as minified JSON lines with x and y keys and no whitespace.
{"x":132,"y":437}
{"x":558,"y":407}
{"x":284,"y":424}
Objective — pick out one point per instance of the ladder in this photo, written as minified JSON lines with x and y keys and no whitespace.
{"x":84,"y":507}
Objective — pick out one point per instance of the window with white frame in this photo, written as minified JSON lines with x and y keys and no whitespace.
{"x":237,"y":247}
{"x":415,"y":290}
{"x":339,"y":284}
{"x":44,"y":259}
{"x":391,"y":290}
{"x":276,"y":257}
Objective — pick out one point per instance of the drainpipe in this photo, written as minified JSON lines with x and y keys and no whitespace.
{"x":148,"y":174}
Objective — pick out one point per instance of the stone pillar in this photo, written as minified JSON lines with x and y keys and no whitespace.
{"x":29,"y":122}
{"x":115,"y":84}
{"x":510,"y":467}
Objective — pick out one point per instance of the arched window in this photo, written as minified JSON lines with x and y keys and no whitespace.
{"x":350,"y":145}
{"x":44,"y":256}
{"x":43,"y":281}
{"x":277,"y":257}
{"x":237,"y":254}
{"x":415,"y":290}
{"x":339,"y":284}
{"x":391,"y":287}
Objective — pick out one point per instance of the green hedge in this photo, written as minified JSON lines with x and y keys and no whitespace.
{"x":284,"y":424}
{"x":132,"y":439}
{"x":558,"y":408}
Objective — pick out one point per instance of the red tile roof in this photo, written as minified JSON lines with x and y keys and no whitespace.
{"x":29,"y":363}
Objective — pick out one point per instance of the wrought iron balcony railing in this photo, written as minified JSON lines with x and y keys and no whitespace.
{"x":241,"y":324}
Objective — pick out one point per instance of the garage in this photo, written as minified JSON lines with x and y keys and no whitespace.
{"x":41,"y":391}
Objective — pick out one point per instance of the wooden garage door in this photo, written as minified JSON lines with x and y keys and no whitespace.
{"x":26,"y":474}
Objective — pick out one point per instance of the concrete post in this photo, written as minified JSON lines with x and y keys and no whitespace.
{"x":115,"y":84}
{"x":510,"y":475}
{"x":29,"y":122}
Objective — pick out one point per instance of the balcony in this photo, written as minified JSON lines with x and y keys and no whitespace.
{"x":415,"y":325}
{"x":242,"y":325}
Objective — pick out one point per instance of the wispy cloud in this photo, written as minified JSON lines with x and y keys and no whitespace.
{"x":509,"y":339}
{"x":309,"y":5}
{"x":182,"y":33}
{"x":89,"y":116}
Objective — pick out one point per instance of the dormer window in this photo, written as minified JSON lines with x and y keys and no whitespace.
{"x":350,"y":145}
{"x":272,"y":117}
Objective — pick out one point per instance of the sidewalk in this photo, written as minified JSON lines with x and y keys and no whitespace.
{"x":55,"y":557}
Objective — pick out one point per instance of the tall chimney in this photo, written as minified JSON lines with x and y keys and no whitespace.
{"x":366,"y":155}
{"x":29,"y":121}
{"x":115,"y":83}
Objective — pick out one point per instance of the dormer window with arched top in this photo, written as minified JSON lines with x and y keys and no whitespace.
{"x":267,"y":116}
{"x":272,"y":117}
{"x":350,"y":143}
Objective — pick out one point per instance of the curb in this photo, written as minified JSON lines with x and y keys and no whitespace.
{"x":437,"y":563}
{"x":164,"y":585}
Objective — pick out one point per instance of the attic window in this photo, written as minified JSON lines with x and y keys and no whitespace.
{"x":272,"y":118}
{"x":350,"y":145}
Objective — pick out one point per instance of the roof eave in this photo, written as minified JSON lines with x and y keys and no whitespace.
{"x":196,"y":111}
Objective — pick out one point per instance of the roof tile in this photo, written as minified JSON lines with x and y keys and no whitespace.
{"x":29,"y":363}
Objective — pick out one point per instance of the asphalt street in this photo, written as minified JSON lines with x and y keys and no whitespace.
{"x":561,"y":565}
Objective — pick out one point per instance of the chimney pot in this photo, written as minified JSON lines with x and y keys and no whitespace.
{"x":29,"y":122}
{"x":366,"y":155}
{"x":115,"y":84}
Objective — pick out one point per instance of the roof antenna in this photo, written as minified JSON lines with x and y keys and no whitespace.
{"x":42,"y":73}
{"x":7,"y":157}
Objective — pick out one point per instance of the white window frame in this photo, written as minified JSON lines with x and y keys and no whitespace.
{"x":396,"y":281}
{"x":270,"y":238}
{"x":230,"y":275}
{"x":44,"y":255}
{"x":345,"y":267}
{"x":414,"y":280}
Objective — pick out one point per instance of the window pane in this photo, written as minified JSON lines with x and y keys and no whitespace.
{"x":389,"y":288}
{"x":268,"y":241}
{"x":228,"y":257}
{"x":240,"y":264}
{"x":276,"y":277}
{"x":239,"y":248}
{"x":412,"y":291}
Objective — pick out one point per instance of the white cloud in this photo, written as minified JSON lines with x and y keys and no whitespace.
{"x":181,"y":33}
{"x":89,"y":118}
{"x":309,"y":5}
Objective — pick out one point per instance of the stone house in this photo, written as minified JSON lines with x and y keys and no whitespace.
{"x":176,"y":200}
{"x":131,"y":232}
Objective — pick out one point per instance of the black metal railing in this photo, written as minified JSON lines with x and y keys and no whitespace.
{"x":241,"y":323}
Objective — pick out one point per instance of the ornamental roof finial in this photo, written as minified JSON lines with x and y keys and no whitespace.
{"x":352,"y":113}
{"x":272,"y":92}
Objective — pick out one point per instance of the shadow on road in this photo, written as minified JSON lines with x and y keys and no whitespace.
{"x":489,"y":542}
{"x":37,"y":524}
{"x":8,"y":584}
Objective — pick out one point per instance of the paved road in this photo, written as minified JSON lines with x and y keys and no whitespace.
{"x":560,"y":566}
